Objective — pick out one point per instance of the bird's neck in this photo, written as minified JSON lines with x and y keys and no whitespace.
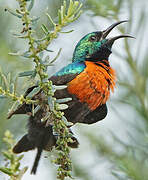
{"x":105,"y":68}
{"x":104,"y":64}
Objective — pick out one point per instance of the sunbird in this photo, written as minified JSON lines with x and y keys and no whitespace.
{"x":89,"y":79}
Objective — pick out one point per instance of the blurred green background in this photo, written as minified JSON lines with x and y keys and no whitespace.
{"x":117,"y":147}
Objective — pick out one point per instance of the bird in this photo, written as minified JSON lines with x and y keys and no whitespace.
{"x":89,"y":79}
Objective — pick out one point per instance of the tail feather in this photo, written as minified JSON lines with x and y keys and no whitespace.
{"x":42,"y":139}
{"x":23,"y":145}
{"x":36,"y":161}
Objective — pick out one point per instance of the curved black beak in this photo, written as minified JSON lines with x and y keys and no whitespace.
{"x":108,"y":30}
{"x":110,"y":41}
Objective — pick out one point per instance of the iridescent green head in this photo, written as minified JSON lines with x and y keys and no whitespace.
{"x":95,"y":46}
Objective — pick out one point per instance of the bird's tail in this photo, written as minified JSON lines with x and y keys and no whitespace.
{"x":44,"y":141}
{"x":36,"y":161}
{"x":23,"y":145}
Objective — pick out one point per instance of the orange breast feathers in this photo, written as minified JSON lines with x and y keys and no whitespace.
{"x":92,"y":86}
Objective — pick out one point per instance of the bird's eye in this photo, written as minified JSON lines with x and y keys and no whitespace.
{"x":93,"y":38}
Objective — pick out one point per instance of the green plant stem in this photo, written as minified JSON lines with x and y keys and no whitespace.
{"x":59,"y":126}
{"x":13,"y":96}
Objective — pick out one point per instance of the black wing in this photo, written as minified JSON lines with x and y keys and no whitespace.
{"x":80,"y":112}
{"x":98,"y":114}
{"x":76,"y":112}
{"x":23,"y":108}
{"x":57,"y":80}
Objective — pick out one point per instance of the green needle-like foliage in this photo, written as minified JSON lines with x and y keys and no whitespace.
{"x":68,"y":13}
{"x":12,"y":161}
